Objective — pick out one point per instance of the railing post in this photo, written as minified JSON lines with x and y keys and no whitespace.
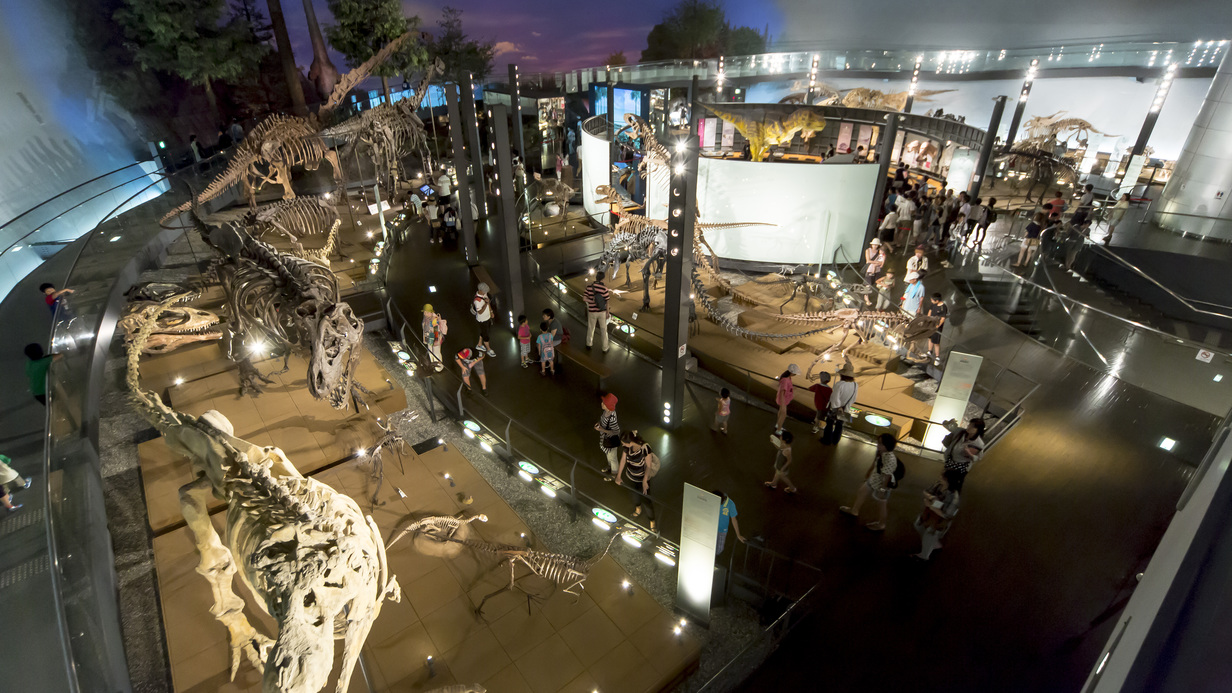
{"x":508,"y":439}
{"x":461,"y":410}
{"x":573,"y":490}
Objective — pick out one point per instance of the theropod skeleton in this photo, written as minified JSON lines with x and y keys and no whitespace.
{"x":307,"y":553}
{"x":278,"y":300}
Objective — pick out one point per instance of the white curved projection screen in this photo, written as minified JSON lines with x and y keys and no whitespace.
{"x":596,"y":170}
{"x":816,"y":209}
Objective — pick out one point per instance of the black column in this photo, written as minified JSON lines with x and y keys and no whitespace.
{"x":1021,"y":105}
{"x":889,"y":133}
{"x":507,"y":228}
{"x":457,"y":135}
{"x":471,"y":118}
{"x":682,"y":208}
{"x":990,"y":139}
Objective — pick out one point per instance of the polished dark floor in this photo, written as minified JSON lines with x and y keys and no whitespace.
{"x":1055,"y":520}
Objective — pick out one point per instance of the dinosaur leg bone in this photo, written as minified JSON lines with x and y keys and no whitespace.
{"x":218,"y":566}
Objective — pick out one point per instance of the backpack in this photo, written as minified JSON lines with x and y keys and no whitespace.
{"x":900,"y":471}
{"x":442,"y":325}
{"x":600,"y":300}
{"x":652,"y":465}
{"x":992,"y":216}
{"x":564,"y":338}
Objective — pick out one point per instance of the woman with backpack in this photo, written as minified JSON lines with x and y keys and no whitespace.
{"x":639,"y":464}
{"x":883,"y":475}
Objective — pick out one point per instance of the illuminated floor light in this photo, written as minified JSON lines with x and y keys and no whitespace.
{"x":601,"y":524}
{"x":360,"y":452}
{"x":605,"y":515}
{"x":471,"y":425}
{"x":431,"y":289}
{"x":631,"y":541}
{"x":548,"y":491}
{"x":677,"y":630}
{"x":1217,"y":378}
{"x":485,"y":445}
{"x":525,"y":477}
{"x":468,"y":432}
{"x":1167,"y":444}
{"x":113,"y":239}
{"x":664,"y":558}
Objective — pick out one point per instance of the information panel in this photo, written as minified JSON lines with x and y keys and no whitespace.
{"x":699,"y":534}
{"x":961,"y":371}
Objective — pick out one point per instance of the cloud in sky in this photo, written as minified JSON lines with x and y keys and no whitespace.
{"x":503,"y":47}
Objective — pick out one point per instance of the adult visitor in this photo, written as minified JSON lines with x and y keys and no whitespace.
{"x":609,"y":434}
{"x":1115,"y":215}
{"x":554,"y":327}
{"x":481,"y":308}
{"x":963,"y":445}
{"x":10,"y":480}
{"x":450,"y":218}
{"x":786,"y":391}
{"x":874,"y":260}
{"x":936,"y":309}
{"x":1085,"y":204}
{"x":889,"y":226}
{"x":1031,"y":240}
{"x":635,"y":470}
{"x":236,"y":130}
{"x":434,"y":330}
{"x":1058,"y":206}
{"x":432,"y":212}
{"x":877,"y":483}
{"x":940,"y":506}
{"x":443,"y":185}
{"x":727,"y":516}
{"x":885,"y":289}
{"x":913,"y":296}
{"x":597,"y":310}
{"x":841,"y":398}
{"x":988,"y":217}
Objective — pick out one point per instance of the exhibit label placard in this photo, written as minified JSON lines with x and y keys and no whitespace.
{"x":957,"y":382}
{"x":729,"y":135}
{"x":710,"y":138}
{"x":699,"y":534}
{"x":866,"y":136}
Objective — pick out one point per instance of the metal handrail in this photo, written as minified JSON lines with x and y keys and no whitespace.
{"x":1188,"y":303}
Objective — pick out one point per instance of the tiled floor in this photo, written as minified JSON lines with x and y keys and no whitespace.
{"x":608,"y":639}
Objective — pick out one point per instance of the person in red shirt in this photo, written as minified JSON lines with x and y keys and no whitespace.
{"x":821,"y":398}
{"x":1058,"y":206}
{"x":52,"y":296}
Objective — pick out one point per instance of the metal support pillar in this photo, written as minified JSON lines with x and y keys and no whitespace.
{"x":1021,"y":105}
{"x":915,"y":83}
{"x":457,"y":135}
{"x":990,"y":140}
{"x":613,"y":149}
{"x":471,"y":117}
{"x":506,"y":207}
{"x":889,"y":133}
{"x":678,"y":301}
{"x":515,"y":100}
{"x":1148,"y":125}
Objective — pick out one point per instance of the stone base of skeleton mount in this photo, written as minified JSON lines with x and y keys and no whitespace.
{"x":556,"y":641}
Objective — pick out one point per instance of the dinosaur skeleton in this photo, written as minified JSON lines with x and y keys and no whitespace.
{"x":157,"y":292}
{"x":564,"y":571}
{"x":865,"y":325}
{"x":440,"y":528}
{"x":280,"y":142}
{"x":390,"y":439}
{"x":174,"y":326}
{"x":390,"y":129}
{"x":279,"y":299}
{"x":861,"y":97}
{"x":294,"y":219}
{"x":314,"y":562}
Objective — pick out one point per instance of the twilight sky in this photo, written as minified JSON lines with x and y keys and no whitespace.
{"x":553,"y":35}
{"x":544,"y":35}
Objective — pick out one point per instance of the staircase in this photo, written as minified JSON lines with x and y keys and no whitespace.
{"x":1011,"y":302}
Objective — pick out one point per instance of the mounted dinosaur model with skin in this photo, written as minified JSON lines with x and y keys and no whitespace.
{"x":280,"y":300}
{"x":280,"y":142}
{"x":312,"y":559}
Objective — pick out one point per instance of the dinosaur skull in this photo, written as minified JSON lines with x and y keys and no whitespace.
{"x":335,"y":354}
{"x":174,"y":326}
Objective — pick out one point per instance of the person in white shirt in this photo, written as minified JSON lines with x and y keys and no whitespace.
{"x":918,"y":263}
{"x":481,"y":308}
{"x":887,"y":229}
{"x":841,"y":398}
{"x":432,"y":213}
{"x":442,"y":184}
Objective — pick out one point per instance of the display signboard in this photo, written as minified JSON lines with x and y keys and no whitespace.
{"x":953,"y":394}
{"x":1132,"y":173}
{"x":866,"y":136}
{"x":595,"y":155}
{"x":729,"y":135}
{"x":711,"y":137}
{"x":699,"y":535}
{"x":844,"y":138}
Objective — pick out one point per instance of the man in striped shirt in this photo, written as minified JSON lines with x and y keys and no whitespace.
{"x":597,"y":313}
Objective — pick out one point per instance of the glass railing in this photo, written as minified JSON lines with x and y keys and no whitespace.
{"x":1204,"y":54}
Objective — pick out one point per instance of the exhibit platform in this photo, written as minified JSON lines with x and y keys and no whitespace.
{"x":313,"y":434}
{"x":610,"y":638}
{"x":757,"y":362}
